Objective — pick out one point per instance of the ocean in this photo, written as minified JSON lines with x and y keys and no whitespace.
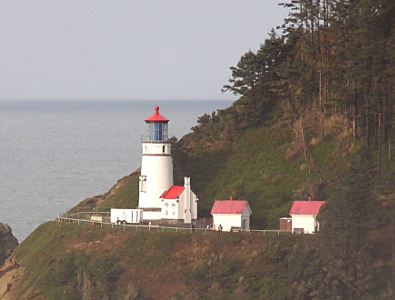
{"x":54,"y":154}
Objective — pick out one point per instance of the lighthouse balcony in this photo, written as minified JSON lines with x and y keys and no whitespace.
{"x":154,"y":139}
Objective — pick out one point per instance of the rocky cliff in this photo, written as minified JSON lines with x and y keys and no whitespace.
{"x":8,"y":242}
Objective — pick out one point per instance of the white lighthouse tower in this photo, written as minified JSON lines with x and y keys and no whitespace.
{"x":156,"y":167}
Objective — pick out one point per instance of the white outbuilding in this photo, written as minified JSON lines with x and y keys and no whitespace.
{"x":232,"y":215}
{"x":179,"y":204}
{"x":304,"y":214}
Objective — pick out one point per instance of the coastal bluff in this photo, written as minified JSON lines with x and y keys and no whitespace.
{"x":69,"y":261}
{"x":8,"y":242}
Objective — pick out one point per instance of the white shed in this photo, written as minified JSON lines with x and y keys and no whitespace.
{"x":231,"y":214}
{"x":304,"y":215}
{"x":179,"y":204}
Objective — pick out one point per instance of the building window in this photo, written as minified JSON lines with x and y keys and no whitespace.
{"x":142,"y":183}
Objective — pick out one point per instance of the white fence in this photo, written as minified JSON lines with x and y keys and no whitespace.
{"x":161,"y":228}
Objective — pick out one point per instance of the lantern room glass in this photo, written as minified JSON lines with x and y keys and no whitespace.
{"x":156,"y":131}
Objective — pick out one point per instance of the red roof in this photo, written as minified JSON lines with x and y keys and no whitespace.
{"x":229,"y":207}
{"x":306,"y":207}
{"x":157,"y":116}
{"x":173,"y":192}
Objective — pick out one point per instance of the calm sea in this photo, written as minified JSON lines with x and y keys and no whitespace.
{"x":54,"y":154}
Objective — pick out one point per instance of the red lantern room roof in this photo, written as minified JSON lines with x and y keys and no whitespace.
{"x":157,"y":117}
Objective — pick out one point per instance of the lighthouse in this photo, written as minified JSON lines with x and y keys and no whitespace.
{"x":156,"y":167}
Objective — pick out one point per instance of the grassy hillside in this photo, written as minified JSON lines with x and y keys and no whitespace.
{"x":124,"y":194}
{"x":262,"y":164}
{"x":70,"y":261}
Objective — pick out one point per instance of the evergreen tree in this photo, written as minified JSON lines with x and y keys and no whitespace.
{"x":345,"y":220}
{"x":386,"y":190}
{"x":253,"y":78}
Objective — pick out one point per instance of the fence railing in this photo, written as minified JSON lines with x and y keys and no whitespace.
{"x":83,"y":212}
{"x":162,"y":228}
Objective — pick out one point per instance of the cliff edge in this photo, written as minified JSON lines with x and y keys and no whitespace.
{"x":8,"y":242}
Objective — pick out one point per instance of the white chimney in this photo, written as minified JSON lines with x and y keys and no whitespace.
{"x":187,"y":212}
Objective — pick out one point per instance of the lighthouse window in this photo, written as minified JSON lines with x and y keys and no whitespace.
{"x":164,"y":148}
{"x":156,"y":131}
{"x":142,"y":183}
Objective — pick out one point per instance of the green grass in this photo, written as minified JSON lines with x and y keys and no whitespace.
{"x":127,"y":196}
{"x":58,"y":259}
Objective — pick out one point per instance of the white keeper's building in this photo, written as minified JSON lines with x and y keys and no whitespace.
{"x":304,"y":216}
{"x":231,"y":215}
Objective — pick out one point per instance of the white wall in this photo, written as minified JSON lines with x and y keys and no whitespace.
{"x":307,"y":222}
{"x":226,"y":220}
{"x":171,"y":206}
{"x":229,"y":220}
{"x":193,"y":205}
{"x":157,"y":148}
{"x":245,"y":216}
{"x":152,"y":215}
{"x":157,"y":167}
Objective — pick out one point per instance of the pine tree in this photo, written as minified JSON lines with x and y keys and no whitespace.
{"x":386,"y":191}
{"x":344,"y":219}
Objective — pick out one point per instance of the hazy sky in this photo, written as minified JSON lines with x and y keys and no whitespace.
{"x":127,"y":49}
